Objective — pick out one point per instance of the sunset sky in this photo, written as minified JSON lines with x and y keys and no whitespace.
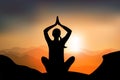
{"x":95,"y":24}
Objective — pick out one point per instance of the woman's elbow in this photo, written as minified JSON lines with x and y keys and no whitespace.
{"x":45,"y":30}
{"x":70,"y":31}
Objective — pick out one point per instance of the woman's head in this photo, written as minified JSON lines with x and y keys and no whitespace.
{"x":56,"y":33}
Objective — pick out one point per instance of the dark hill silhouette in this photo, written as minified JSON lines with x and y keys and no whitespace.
{"x":11,"y":71}
{"x":26,"y":58}
{"x":109,"y":69}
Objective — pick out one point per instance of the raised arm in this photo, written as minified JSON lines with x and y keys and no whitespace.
{"x":46,"y":33}
{"x":69,"y":31}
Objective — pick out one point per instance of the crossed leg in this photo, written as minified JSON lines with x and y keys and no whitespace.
{"x":69,"y":62}
{"x":48,"y":67}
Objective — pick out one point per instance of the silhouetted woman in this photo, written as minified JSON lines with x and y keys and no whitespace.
{"x":56,"y":47}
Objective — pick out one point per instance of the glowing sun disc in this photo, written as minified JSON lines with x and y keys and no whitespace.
{"x":75,"y":44}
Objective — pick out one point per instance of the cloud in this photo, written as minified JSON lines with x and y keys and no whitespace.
{"x":24,"y":11}
{"x":17,"y":7}
{"x":16,"y":11}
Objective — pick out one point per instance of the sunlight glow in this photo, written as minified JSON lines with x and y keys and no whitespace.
{"x":75,"y":44}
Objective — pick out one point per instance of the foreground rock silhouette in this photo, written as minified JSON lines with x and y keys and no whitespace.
{"x":11,"y":71}
{"x":109,"y":69}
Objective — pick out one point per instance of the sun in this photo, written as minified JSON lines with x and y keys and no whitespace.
{"x":75,"y":44}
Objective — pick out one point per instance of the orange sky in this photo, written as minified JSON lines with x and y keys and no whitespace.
{"x":97,"y":32}
{"x":95,"y":29}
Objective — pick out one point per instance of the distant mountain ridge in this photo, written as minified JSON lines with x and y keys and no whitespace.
{"x":32,"y":57}
{"x":108,"y":70}
{"x":25,"y":56}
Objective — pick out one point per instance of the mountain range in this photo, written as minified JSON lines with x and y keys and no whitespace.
{"x":86,"y":61}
